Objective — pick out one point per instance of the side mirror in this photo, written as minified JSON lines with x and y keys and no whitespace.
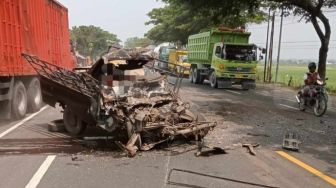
{"x":261,"y":57}
{"x":263,"y":51}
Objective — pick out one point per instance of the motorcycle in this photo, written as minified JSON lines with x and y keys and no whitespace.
{"x":317,"y":99}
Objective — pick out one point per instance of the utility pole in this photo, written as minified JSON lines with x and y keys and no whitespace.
{"x":279,"y":48}
{"x":269,"y":17}
{"x":269,"y":72}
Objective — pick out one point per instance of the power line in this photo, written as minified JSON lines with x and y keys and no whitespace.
{"x":291,"y":42}
{"x":305,"y":48}
{"x":290,"y":19}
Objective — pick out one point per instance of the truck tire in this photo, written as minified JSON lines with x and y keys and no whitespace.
{"x":191,"y":75}
{"x":19,"y":101}
{"x":34,"y":95}
{"x":73,"y":125}
{"x":196,"y":76}
{"x":213,"y":80}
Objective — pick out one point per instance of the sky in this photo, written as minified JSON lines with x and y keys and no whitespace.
{"x":126,"y":19}
{"x":299,"y":39}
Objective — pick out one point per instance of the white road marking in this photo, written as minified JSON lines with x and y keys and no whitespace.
{"x":235,"y":92}
{"x":21,"y":122}
{"x":288,"y":106}
{"x":33,"y":183}
{"x":262,"y":93}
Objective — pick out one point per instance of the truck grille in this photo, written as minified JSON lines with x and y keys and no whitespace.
{"x":239,"y":69}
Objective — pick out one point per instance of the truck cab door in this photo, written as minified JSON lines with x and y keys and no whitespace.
{"x":218,"y":50}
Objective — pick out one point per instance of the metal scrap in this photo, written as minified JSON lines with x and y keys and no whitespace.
{"x":250,"y":148}
{"x":291,"y":141}
{"x":124,"y":94}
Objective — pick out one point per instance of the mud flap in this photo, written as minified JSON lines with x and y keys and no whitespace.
{"x":222,"y":84}
{"x":248,"y":85}
{"x":5,"y":99}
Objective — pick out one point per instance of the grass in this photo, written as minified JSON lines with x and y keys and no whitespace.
{"x":286,"y":71}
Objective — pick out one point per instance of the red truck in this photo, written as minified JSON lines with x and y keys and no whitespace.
{"x":38,"y":27}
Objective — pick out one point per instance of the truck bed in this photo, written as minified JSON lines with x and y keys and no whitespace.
{"x":200,"y":46}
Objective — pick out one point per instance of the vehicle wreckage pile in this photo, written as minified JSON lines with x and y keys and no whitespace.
{"x":123,"y":94}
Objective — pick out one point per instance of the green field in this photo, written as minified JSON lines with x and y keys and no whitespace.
{"x":286,"y":71}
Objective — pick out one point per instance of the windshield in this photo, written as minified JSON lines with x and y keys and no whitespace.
{"x":240,"y":53}
{"x":182,"y":58}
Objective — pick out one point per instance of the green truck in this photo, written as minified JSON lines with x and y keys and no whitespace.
{"x":224,"y":57}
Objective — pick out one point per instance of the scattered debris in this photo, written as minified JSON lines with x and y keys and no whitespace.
{"x":74,"y":157}
{"x":210,"y":151}
{"x":291,"y":141}
{"x":124,"y":94}
{"x":251,"y":147}
{"x":258,"y":134}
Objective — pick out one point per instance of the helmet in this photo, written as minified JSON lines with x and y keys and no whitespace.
{"x":312,"y":66}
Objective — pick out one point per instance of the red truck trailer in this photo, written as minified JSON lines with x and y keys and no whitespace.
{"x":40,"y":28}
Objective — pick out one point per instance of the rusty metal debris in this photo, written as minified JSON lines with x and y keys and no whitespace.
{"x":250,"y":148}
{"x":124,"y":94}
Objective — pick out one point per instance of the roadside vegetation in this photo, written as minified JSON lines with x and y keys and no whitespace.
{"x":295,"y":73}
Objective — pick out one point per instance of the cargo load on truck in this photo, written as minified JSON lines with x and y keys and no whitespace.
{"x":224,"y":57}
{"x":123,"y":94}
{"x":38,"y":27}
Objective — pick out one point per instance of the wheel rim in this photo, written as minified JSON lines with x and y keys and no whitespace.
{"x":320,"y":107}
{"x":37,"y":94}
{"x":213,"y":80}
{"x":301,"y":104}
{"x":20,"y":97}
{"x":194,"y":75}
{"x":191,"y":75}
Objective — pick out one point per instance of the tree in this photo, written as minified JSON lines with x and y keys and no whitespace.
{"x":92,"y":41}
{"x":312,"y":11}
{"x":179,"y":19}
{"x":137,"y":42}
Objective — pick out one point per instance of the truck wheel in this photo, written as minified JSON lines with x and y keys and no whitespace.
{"x":213,"y":80}
{"x":19,"y":101}
{"x":196,"y":75}
{"x":191,"y":75}
{"x":73,"y":124}
{"x":34,"y":95}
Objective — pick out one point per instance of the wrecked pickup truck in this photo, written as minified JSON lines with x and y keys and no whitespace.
{"x":123,"y":94}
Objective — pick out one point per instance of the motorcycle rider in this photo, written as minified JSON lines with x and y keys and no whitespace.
{"x":310,"y":79}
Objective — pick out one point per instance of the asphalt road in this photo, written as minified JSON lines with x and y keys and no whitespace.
{"x":31,"y":156}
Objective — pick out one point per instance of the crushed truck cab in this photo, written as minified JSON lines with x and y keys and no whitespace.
{"x":224,"y":57}
{"x":126,"y":95}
